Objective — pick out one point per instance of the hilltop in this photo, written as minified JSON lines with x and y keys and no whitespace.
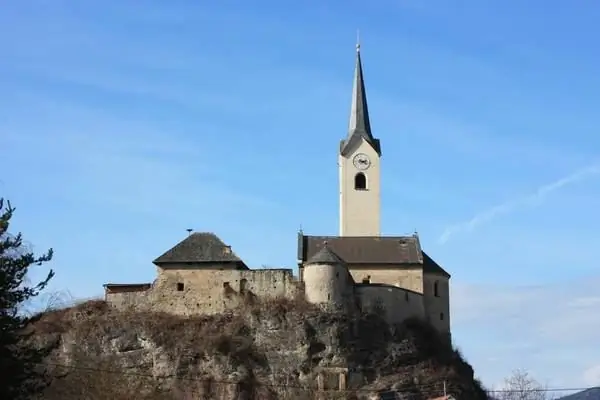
{"x":269,"y":350}
{"x":589,"y":394}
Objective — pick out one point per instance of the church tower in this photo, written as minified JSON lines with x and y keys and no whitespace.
{"x":359,"y":167}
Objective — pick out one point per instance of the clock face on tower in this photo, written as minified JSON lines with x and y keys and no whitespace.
{"x":361,"y":161}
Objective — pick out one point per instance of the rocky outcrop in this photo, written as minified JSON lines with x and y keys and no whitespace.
{"x":275,"y":350}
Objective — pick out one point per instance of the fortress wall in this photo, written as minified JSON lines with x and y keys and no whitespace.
{"x":126,"y":296}
{"x":404,"y":276}
{"x":397,"y":303}
{"x":437,"y":307}
{"x":328,"y":284}
{"x":189,"y":291}
{"x":124,"y":300}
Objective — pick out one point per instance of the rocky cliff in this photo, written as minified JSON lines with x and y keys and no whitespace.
{"x":275,"y":350}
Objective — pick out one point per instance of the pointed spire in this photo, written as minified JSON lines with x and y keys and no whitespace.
{"x":359,"y":113}
{"x":360,"y":125}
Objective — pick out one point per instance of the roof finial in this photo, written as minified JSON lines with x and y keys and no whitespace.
{"x":358,"y":41}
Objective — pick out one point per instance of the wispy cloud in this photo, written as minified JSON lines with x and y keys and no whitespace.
{"x":532,"y":199}
{"x":591,"y":376}
{"x":552,"y":329}
{"x":124,"y":165}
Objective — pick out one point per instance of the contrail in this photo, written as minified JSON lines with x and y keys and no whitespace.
{"x":531,"y":200}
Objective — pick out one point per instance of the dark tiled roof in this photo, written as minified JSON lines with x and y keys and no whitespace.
{"x":365,"y":250}
{"x":325,"y":256}
{"x":199,"y":247}
{"x":430,"y":266}
{"x":383,"y":250}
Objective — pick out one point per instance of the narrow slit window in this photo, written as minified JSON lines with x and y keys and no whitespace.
{"x":180,"y":286}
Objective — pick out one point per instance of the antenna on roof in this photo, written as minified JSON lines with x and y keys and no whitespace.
{"x":189,"y":231}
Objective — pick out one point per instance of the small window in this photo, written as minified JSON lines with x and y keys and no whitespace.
{"x":337,"y":274}
{"x":441,"y":316}
{"x":360,"y":181}
{"x":180,"y":287}
{"x":367,"y":279}
{"x":243,"y":283}
{"x":226,"y":285}
{"x":436,"y":289}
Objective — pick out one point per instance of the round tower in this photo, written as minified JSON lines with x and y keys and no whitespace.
{"x":326,"y":279}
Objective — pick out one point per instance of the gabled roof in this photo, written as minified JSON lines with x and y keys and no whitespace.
{"x":325,"y":256}
{"x":199,"y":247}
{"x":365,"y":249}
{"x":369,"y":250}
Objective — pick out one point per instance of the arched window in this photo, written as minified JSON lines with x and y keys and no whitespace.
{"x":436,"y":289}
{"x":360,"y":181}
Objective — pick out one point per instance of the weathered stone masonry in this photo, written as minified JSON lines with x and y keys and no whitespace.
{"x":202,"y":275}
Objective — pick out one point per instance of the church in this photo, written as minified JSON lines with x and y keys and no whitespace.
{"x":360,"y":268}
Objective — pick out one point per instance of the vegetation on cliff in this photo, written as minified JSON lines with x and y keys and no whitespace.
{"x":274,"y":350}
{"x":19,"y":377}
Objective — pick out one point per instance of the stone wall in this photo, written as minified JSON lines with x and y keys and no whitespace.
{"x":187,"y":291}
{"x":437,"y":305}
{"x":193,"y":291}
{"x":330,"y":285}
{"x":404,"y":276}
{"x":396,"y":303}
{"x":126,"y":295}
{"x":123,"y":300}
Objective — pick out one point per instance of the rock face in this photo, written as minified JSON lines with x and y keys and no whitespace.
{"x":275,"y":350}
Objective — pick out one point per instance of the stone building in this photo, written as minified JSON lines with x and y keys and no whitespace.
{"x":357,"y":269}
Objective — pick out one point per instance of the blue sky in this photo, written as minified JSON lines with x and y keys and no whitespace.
{"x":123,"y":125}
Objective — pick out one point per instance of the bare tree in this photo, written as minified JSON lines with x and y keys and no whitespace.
{"x":521,"y":386}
